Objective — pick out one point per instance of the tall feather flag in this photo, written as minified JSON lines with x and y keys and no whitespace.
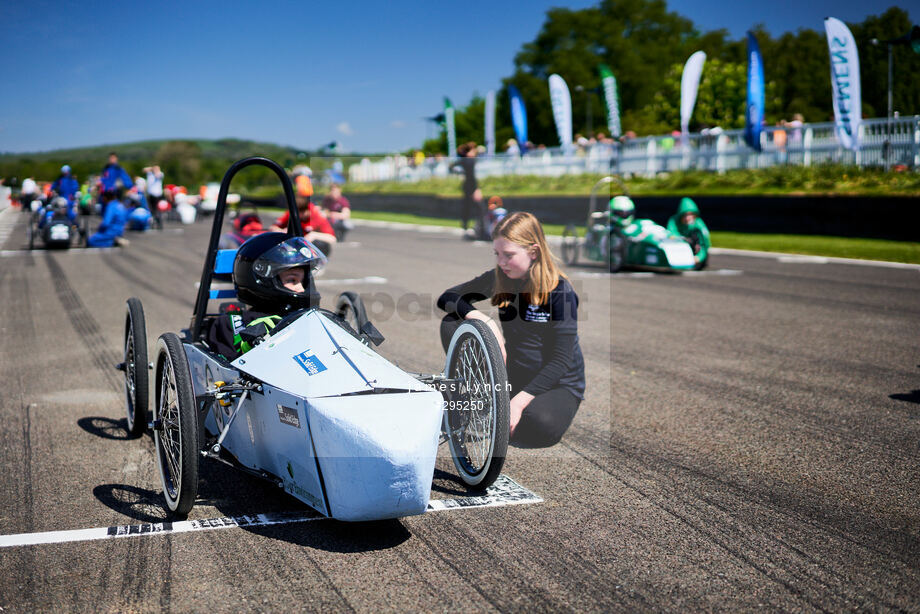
{"x":562,"y":110}
{"x":753,"y":125}
{"x":844,"y":81}
{"x":612,"y":96}
{"x":451,"y":128}
{"x":490,"y":123}
{"x":689,"y":84}
{"x":518,"y":116}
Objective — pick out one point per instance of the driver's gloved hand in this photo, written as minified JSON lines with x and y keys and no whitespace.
{"x":253,"y":334}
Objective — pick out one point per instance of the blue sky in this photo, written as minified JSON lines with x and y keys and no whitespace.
{"x":359,"y":72}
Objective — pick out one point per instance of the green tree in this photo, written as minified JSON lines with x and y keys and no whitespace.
{"x":469,"y":124}
{"x":641,"y":41}
{"x":873,"y":64}
{"x":721,"y":99}
{"x":180,"y":161}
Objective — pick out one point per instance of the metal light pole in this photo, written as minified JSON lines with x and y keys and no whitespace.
{"x":912,"y":38}
{"x":589,"y":114}
{"x":886,"y":146}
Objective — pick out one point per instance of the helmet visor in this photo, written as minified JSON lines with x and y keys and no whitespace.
{"x":289,"y":254}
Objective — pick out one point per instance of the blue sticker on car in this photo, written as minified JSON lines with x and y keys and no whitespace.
{"x":309,"y":363}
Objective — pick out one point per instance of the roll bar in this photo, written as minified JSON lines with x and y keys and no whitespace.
{"x":603,"y":181}
{"x":207,"y":273}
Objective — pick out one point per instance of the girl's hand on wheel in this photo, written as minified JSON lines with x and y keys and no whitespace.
{"x":518,"y":404}
{"x":494,"y":327}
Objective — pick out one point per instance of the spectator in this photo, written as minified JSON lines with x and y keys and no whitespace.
{"x":114,"y":178}
{"x":472,"y":195}
{"x":779,"y":142}
{"x":114,"y":218}
{"x":795,"y":129}
{"x":67,"y":186}
{"x":154,"y":186}
{"x":338,"y":211}
{"x":316,"y":227}
{"x":512,"y":148}
{"x":27,"y":193}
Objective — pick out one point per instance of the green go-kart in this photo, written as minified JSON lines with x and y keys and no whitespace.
{"x":641,"y":244}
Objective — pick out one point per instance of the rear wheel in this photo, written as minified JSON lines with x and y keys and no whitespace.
{"x":570,"y":245}
{"x":176,"y":426}
{"x":135,"y":365}
{"x":477,"y":416}
{"x":350,"y":308}
{"x":617,"y":252}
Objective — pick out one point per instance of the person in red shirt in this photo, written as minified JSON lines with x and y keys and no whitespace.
{"x":316,"y":228}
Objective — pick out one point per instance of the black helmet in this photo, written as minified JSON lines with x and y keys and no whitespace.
{"x":256,"y":267}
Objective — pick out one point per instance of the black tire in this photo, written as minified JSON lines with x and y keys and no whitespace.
{"x":570,"y":245}
{"x":176,"y":433}
{"x":477,"y":417}
{"x":32,"y":232}
{"x":616,"y":257}
{"x":136,"y":376}
{"x":350,"y":308}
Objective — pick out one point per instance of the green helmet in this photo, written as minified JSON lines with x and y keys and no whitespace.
{"x":687,"y":206}
{"x":622,"y":210}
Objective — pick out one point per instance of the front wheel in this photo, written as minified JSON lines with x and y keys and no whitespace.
{"x":135,"y":365}
{"x":477,"y":415}
{"x":570,"y":245}
{"x":350,"y":308}
{"x":176,"y":426}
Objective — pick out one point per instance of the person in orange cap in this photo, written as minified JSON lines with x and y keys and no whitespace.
{"x":316,"y":228}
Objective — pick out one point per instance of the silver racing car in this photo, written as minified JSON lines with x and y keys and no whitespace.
{"x":312,"y":407}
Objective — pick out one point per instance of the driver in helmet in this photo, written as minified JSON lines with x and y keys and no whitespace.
{"x":623,"y":219}
{"x":272,"y":274}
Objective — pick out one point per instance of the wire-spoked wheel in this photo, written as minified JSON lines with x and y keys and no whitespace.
{"x":176,"y":426}
{"x":476,"y":418}
{"x":135,"y":368}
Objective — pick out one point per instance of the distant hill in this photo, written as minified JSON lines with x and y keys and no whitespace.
{"x":184,"y":162}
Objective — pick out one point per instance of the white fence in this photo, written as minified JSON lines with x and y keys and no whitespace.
{"x":809,"y":145}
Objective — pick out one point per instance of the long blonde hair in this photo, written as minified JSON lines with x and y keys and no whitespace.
{"x":524,"y":229}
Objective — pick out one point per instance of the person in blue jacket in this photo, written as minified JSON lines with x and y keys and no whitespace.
{"x":112,"y":228}
{"x":114,"y":178}
{"x":67,"y":186}
{"x":139,"y":218}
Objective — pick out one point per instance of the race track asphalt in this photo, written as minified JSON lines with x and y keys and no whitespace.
{"x":750,"y":440}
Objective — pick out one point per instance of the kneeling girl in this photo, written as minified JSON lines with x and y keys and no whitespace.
{"x":538,"y":310}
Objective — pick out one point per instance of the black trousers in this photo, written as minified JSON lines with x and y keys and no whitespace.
{"x":467,"y":209}
{"x":548,"y":416}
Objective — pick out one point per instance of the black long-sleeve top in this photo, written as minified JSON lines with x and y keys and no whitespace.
{"x":467,"y":166}
{"x":541,"y":341}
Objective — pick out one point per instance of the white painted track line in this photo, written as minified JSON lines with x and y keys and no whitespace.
{"x":504,"y":492}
